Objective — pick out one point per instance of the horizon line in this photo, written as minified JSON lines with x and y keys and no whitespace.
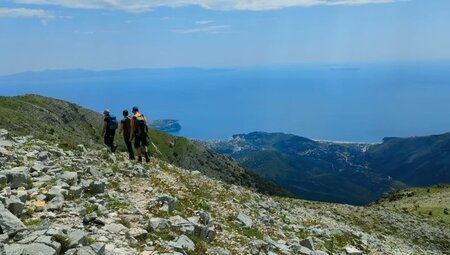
{"x":332,"y":65}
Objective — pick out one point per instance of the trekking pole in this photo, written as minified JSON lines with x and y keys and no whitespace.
{"x":156,"y":148}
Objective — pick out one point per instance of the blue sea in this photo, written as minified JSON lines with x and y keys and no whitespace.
{"x":359,"y":103}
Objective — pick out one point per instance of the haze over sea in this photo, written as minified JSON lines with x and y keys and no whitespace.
{"x":361,"y":103}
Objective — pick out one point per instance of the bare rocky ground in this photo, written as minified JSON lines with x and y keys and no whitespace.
{"x":83,"y":201}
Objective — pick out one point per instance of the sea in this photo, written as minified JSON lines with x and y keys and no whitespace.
{"x":342,"y":102}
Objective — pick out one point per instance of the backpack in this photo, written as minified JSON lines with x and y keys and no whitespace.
{"x":112,"y":123}
{"x":141,"y":128}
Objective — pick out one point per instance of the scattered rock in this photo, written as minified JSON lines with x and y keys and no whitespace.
{"x":97,"y":187}
{"x":168,"y":201}
{"x":69,"y":177}
{"x":56,"y":203}
{"x":138,"y":233}
{"x":17,"y":177}
{"x":183,"y":243}
{"x":98,"y":248}
{"x":38,"y":249}
{"x":77,"y":237}
{"x":116,"y":228}
{"x":350,"y":250}
{"x":308,"y":243}
{"x":158,"y":224}
{"x":9,"y":224}
{"x":244,"y":220}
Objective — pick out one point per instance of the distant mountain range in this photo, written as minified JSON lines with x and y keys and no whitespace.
{"x":353,"y":173}
{"x":80,"y":74}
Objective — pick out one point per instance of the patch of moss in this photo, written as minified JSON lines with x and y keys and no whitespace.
{"x":64,"y":241}
{"x":32,"y":222}
{"x":252,"y":233}
{"x":116,"y":204}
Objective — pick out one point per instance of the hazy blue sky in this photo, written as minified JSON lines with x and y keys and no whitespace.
{"x":105,"y":34}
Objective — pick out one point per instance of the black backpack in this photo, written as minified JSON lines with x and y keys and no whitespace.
{"x":141,"y":128}
{"x":112,"y":123}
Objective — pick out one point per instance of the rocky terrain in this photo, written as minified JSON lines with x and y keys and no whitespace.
{"x":86,"y":201}
{"x":69,"y":124}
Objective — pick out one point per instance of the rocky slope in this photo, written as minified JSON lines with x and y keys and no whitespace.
{"x":85,"y":201}
{"x":69,"y":125}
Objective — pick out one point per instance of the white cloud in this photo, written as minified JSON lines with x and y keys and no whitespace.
{"x":146,"y":5}
{"x":207,"y":29}
{"x":25,"y":13}
{"x":203,"y":22}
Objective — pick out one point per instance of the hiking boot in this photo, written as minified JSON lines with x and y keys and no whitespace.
{"x":147,"y":158}
{"x":139,"y":160}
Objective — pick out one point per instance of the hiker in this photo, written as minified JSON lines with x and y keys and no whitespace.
{"x":109,"y":130}
{"x":139,"y":131}
{"x":125,"y":129}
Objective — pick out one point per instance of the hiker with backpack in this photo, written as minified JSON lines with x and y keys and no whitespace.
{"x":110,"y":125}
{"x":125,"y":129}
{"x":139,"y":132}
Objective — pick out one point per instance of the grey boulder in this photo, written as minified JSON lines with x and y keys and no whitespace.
{"x":9,"y":223}
{"x":17,"y":177}
{"x":183,"y":243}
{"x":15,"y":205}
{"x":77,"y":237}
{"x":69,"y":177}
{"x":244,"y":220}
{"x":56,"y":203}
{"x":38,"y":249}
{"x":308,"y":243}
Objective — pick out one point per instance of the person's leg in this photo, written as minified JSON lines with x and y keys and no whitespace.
{"x":109,"y":141}
{"x":113,"y":144}
{"x":130,"y":150}
{"x":129,"y":147}
{"x":137,"y":145}
{"x":106,"y":140}
{"x":145,"y":151}
{"x":145,"y":141}
{"x":139,"y":154}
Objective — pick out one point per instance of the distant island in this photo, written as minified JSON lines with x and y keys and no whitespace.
{"x":169,"y":126}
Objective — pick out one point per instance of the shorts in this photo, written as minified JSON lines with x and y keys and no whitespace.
{"x":140,"y":141}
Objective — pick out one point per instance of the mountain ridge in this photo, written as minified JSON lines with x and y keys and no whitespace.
{"x":70,"y":124}
{"x":81,"y":199}
{"x":355,"y":173}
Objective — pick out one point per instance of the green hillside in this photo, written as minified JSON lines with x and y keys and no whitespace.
{"x":429,"y":203}
{"x":50,"y":119}
{"x":418,"y":161}
{"x":70,"y":125}
{"x":341,"y":172}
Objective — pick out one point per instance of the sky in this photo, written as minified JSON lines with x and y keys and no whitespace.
{"x":117,"y":34}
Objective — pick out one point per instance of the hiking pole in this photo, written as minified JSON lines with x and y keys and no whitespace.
{"x":156,"y":148}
